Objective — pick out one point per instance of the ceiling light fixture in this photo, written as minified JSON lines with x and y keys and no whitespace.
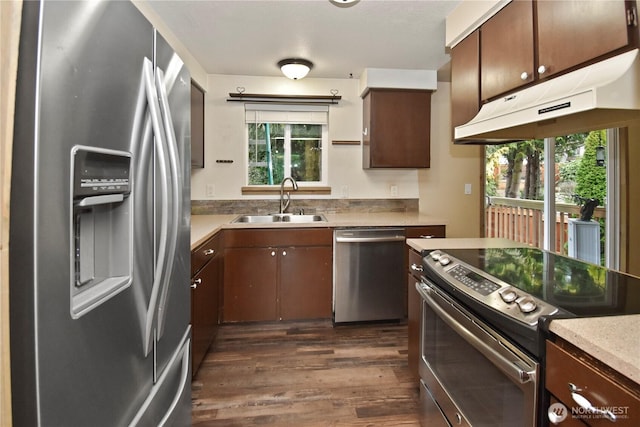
{"x":344,"y":3}
{"x":295,"y":68}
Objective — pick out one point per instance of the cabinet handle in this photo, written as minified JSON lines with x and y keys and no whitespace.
{"x":416,"y":267}
{"x":524,"y":76}
{"x":195,"y":283}
{"x":273,"y":253}
{"x":584,"y":403}
{"x":209,"y":252}
{"x":284,"y":253}
{"x":365,"y":131}
{"x":427,"y":236}
{"x":542,"y":69}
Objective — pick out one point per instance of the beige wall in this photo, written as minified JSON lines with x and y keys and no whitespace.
{"x":633,"y":202}
{"x":452,"y":166}
{"x":225,"y":139}
{"x":9,"y":36}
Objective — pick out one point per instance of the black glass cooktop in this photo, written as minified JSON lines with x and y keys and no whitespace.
{"x":578,"y":287}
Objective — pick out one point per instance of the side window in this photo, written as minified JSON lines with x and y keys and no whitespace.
{"x":291,"y":146}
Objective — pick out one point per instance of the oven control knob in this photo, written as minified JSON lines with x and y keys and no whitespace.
{"x":509,"y":295}
{"x":444,"y":260}
{"x":526,"y":305}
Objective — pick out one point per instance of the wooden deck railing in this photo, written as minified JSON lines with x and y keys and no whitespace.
{"x":521,"y":220}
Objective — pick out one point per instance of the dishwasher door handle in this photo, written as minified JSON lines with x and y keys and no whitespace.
{"x":340,"y":239}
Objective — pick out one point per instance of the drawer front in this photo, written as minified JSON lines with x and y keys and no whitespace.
{"x":428,"y":231}
{"x":415,"y":263}
{"x":256,"y":238}
{"x":603,"y":392}
{"x":204,"y":253}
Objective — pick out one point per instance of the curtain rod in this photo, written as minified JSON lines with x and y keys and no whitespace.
{"x":300,"y":99}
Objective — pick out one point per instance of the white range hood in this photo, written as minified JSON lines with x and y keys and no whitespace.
{"x":602,"y":95}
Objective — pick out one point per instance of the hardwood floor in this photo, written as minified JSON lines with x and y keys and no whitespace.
{"x":306,"y":374}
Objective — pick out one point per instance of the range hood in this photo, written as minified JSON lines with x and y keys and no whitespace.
{"x":603,"y":95}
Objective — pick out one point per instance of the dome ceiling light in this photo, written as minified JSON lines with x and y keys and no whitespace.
{"x":295,"y":68}
{"x":344,"y":3}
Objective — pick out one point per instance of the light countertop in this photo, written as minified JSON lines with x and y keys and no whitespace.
{"x":613,"y":340}
{"x":462,"y":243}
{"x":205,"y":226}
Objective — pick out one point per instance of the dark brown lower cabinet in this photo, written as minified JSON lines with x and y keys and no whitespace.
{"x":282,"y":274}
{"x":569,"y":370}
{"x":206,"y":267}
{"x":306,"y":282}
{"x":414,"y":315}
{"x":250,"y":288}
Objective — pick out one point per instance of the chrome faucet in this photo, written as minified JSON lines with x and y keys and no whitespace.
{"x":283,"y":205}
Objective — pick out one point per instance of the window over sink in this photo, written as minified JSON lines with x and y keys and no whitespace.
{"x":286,"y":140}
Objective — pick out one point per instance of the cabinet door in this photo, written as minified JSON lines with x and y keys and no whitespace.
{"x":305,"y":282}
{"x":506,"y":49}
{"x":249,"y":284}
{"x":465,"y":79}
{"x":414,"y":316}
{"x":399,"y":128}
{"x":574,"y":32}
{"x":204,"y":309}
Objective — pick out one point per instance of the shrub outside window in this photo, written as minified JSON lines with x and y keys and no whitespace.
{"x":278,"y":149}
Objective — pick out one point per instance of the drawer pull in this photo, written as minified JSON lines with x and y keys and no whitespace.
{"x":584,"y":403}
{"x":209,"y":252}
{"x":427,"y":236}
{"x":195,"y":283}
{"x":416,"y":267}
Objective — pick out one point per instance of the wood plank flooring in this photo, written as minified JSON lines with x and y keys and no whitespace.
{"x":306,"y":374}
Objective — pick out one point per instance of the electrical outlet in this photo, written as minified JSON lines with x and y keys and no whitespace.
{"x":345,"y":191}
{"x":211,"y":190}
{"x":393,"y":190}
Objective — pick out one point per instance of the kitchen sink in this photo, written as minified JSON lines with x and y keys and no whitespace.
{"x":257,"y":219}
{"x":304,"y":218}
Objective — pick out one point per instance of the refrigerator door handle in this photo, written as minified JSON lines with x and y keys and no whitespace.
{"x":174,"y":179}
{"x":181,"y":360}
{"x":162,"y":258}
{"x":184,"y":381}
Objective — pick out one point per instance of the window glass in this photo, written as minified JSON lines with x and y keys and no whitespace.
{"x":515,"y":189}
{"x":278,"y":150}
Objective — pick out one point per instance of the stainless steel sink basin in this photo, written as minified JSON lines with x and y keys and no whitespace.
{"x":304,"y":218}
{"x":258,"y":219}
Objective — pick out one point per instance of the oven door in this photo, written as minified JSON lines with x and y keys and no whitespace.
{"x":474,"y":376}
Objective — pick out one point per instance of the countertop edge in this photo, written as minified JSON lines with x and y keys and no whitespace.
{"x":205,"y":226}
{"x":593,"y":335}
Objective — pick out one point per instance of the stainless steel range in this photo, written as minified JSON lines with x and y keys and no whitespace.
{"x":485,"y":317}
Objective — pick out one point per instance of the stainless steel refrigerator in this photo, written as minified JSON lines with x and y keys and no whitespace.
{"x":100,"y":219}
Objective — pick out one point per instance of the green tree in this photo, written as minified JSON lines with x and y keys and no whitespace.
{"x":591,"y":180}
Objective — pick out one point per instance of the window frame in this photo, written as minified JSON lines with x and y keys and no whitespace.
{"x":272,"y":110}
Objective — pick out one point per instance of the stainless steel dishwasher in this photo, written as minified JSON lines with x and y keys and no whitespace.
{"x":368,"y":274}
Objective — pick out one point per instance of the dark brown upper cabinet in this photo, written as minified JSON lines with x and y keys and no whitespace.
{"x":465,"y":72}
{"x":396,"y":128}
{"x":574,"y":32}
{"x":197,"y":126}
{"x":528,"y":41}
{"x":506,"y":49}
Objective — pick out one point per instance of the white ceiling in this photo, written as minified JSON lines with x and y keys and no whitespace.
{"x":248,"y":37}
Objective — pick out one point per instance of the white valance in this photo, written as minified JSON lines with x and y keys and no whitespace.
{"x":286,"y":113}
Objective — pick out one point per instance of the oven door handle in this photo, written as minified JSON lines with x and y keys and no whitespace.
{"x":507,"y":366}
